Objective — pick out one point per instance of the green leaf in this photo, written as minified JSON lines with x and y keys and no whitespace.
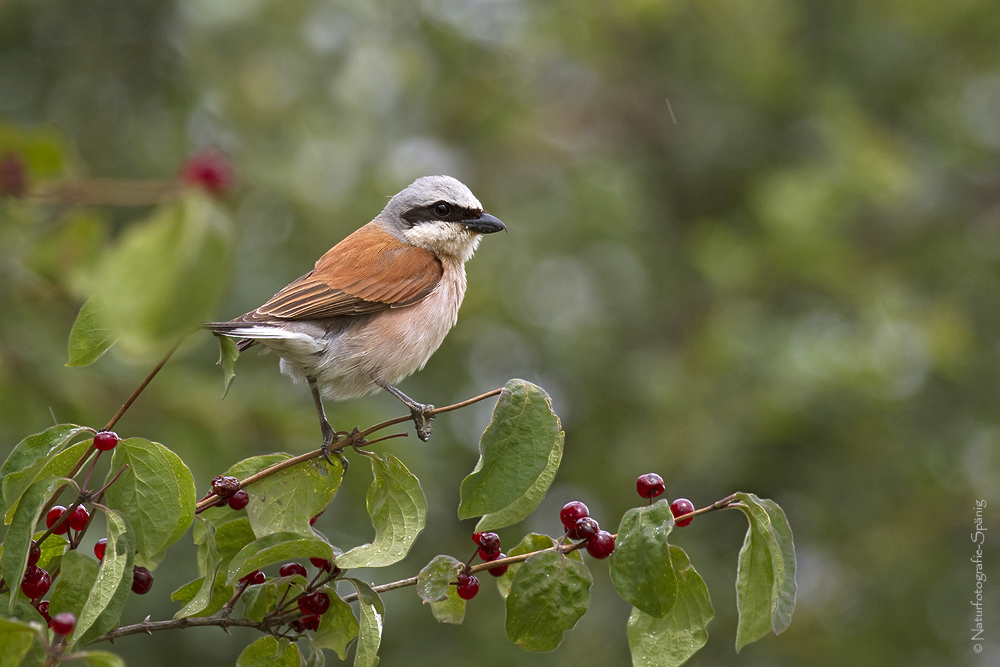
{"x":285,"y":501}
{"x":100,"y":659}
{"x":783,"y":594}
{"x":72,"y":587}
{"x":370,"y":629}
{"x":89,"y":339}
{"x":52,"y":550}
{"x":17,"y":542}
{"x":156,"y":493}
{"x":274,"y":548}
{"x":259,"y":599}
{"x":28,"y":459}
{"x":398,"y":510}
{"x":640,"y":564}
{"x":434,"y":585}
{"x":550,"y":592}
{"x":765,"y":575}
{"x":164,"y":276}
{"x":531,"y":542}
{"x":228,"y":353}
{"x":16,"y":637}
{"x":337,"y":628}
{"x":269,"y":652}
{"x":519,"y":455}
{"x":434,"y":578}
{"x":107,"y":598}
{"x":671,"y":640}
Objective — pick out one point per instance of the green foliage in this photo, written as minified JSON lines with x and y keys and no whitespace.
{"x":436,"y":586}
{"x":520,"y":452}
{"x":269,"y":652}
{"x":640,"y":564}
{"x":548,"y":594}
{"x":370,"y":632}
{"x":89,"y":338}
{"x":284,"y":502}
{"x":16,"y":638}
{"x":28,"y":460}
{"x":276,"y":548}
{"x":337,"y":628}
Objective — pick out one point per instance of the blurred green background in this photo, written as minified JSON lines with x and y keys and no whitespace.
{"x":753,"y":246}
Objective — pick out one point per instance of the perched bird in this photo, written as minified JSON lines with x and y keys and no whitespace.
{"x":378,"y":304}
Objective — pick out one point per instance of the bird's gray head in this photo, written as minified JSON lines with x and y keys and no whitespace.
{"x":440,"y":214}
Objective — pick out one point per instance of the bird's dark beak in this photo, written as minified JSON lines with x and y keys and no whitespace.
{"x":484,"y":224}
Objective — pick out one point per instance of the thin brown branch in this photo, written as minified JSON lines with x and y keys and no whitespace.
{"x":342,"y":443}
{"x":141,"y":387}
{"x":106,"y":191}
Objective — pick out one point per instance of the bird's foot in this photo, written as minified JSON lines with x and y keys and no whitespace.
{"x":422,"y":415}
{"x":329,"y":435}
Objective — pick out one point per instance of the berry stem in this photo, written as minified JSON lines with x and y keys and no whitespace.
{"x":141,"y":387}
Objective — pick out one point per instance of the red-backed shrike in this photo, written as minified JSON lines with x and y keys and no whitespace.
{"x":379,"y":303}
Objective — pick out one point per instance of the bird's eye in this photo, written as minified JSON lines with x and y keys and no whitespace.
{"x":441,"y":209}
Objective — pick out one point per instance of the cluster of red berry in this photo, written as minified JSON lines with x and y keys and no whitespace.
{"x":208,"y":169}
{"x":311,"y":603}
{"x":651,"y":485}
{"x":228,"y":491}
{"x":579,"y":525}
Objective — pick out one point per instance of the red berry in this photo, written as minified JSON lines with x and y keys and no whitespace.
{"x":489,"y":544}
{"x":306,"y":623}
{"x":499,"y":570}
{"x":649,"y":485}
{"x":100,"y":548}
{"x":36,"y":582}
{"x":572,"y":512}
{"x":584,"y":529}
{"x":53,"y":516}
{"x":314,"y":604}
{"x":78,"y":518}
{"x":488,"y":557}
{"x":601,"y":545}
{"x":106,"y":440}
{"x":288,"y":569}
{"x":321,"y":563}
{"x":43,"y":609}
{"x":34,"y":553}
{"x":680,"y":507}
{"x":255,"y":578}
{"x":239,"y":500}
{"x":142,"y":580}
{"x":208,"y":169}
{"x":468,"y":586}
{"x":12,"y":175}
{"x":63,"y":623}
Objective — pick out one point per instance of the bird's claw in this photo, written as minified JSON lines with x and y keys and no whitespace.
{"x":422,"y":417}
{"x":328,"y":437}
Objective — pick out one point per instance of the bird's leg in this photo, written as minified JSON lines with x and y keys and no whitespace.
{"x":421,"y":412}
{"x":324,"y":426}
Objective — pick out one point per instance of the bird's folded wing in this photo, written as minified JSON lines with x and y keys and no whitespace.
{"x":367,"y":272}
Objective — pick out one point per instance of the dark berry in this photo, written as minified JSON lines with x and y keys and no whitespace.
{"x":306,"y":623}
{"x":572,"y":512}
{"x":34,"y":553}
{"x":224,"y":485}
{"x":53,"y":517}
{"x":321,"y":563}
{"x":78,"y":518}
{"x":288,"y":569}
{"x":584,"y":529}
{"x":12,"y":175}
{"x":314,"y":604}
{"x":499,"y":570}
{"x":106,"y":440}
{"x":468,"y":586}
{"x":488,"y":557}
{"x":142,"y":580}
{"x":649,"y":485}
{"x":36,"y":582}
{"x":601,"y":545}
{"x":489,"y":544}
{"x":100,"y":548}
{"x":476,"y":537}
{"x":239,"y":500}
{"x":63,"y":623}
{"x":43,"y":609}
{"x":208,"y":169}
{"x":680,"y":507}
{"x":255,"y":578}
